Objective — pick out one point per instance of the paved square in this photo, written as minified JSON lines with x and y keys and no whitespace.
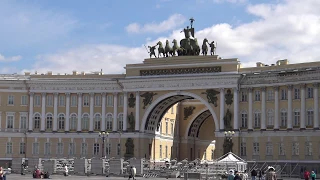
{"x":72,"y":177}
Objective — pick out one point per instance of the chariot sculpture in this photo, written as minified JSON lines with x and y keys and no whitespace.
{"x":188,"y":46}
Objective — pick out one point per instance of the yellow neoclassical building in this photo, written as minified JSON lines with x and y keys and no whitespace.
{"x":160,"y":109}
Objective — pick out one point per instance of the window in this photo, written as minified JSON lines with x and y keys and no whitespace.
{"x":35,"y":148}
{"x":310,"y":116}
{"x":97,"y":122}
{"x":172,"y":110}
{"x":166,"y":127}
{"x":74,"y":101}
{"x":283,"y":118}
{"x":256,"y":148}
{"x":310,"y":92}
{"x":166,"y":151}
{"x":61,"y":122}
{"x":97,"y":100}
{"x":49,"y":100}
{"x":270,"y":95}
{"x":108,"y":149}
{"x":308,"y":148}
{"x":257,"y":96}
{"x":72,"y":149}
{"x":47,"y":148}
{"x":60,"y":148}
{"x":212,"y":154}
{"x":205,"y":155}
{"x":244,"y":120}
{"x":243,"y":149}
{"x":284,"y":94}
{"x":96,"y":148}
{"x":22,"y":149}
{"x":84,"y":149}
{"x":10,"y":120}
{"x":269,"y":148}
{"x":9,"y":147}
{"x":295,"y":149}
{"x":160,"y":151}
{"x":86,"y":100}
{"x":118,"y":149}
{"x":120,"y":122}
{"x":85,"y":122}
{"x":172,"y":129}
{"x":121,"y":100}
{"x":10,"y":100}
{"x":257,"y":119}
{"x":24,"y":100}
{"x":296,"y":121}
{"x":49,"y":121}
{"x":109,"y":101}
{"x":244,"y":96}
{"x":109,"y":122}
{"x":37,"y":100}
{"x":62,"y":101}
{"x":36,"y":121}
{"x":73,"y":122}
{"x":270,"y":117}
{"x":23,"y":122}
{"x":282,"y":151}
{"x":296,"y":93}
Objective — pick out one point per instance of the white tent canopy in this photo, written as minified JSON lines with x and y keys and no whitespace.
{"x":231,"y":161}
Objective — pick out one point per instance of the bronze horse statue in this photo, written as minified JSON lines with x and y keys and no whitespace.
{"x":160,"y":49}
{"x":205,"y":47}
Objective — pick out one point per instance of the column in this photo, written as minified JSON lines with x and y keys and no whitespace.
{"x":289,"y":124}
{"x":115,"y":112}
{"x":67,"y":125}
{"x":276,"y":108}
{"x":43,"y":112}
{"x":91,"y":112}
{"x":250,"y":118}
{"x":79,"y":112}
{"x":263,"y":108}
{"x":137,"y":119}
{"x":221,"y":109}
{"x":55,"y":111}
{"x":236,"y":109}
{"x":315,"y":106}
{"x":31,"y":112}
{"x":125,"y":111}
{"x":303,"y":106}
{"x":103,"y":112}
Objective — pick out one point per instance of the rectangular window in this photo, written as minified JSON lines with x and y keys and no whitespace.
{"x":72,"y":149}
{"x":172,"y":110}
{"x":257,"y":96}
{"x":310,"y":116}
{"x":282,"y":151}
{"x":243,"y":149}
{"x":85,"y":100}
{"x":37,"y":100}
{"x":47,"y":148}
{"x":84,"y":149}
{"x":24,"y":100}
{"x":120,"y":100}
{"x":96,"y":149}
{"x":118,"y":149}
{"x":10,"y":120}
{"x":284,"y":94}
{"x":244,"y":96}
{"x":283,"y":117}
{"x":22,"y":149}
{"x":49,"y":100}
{"x":35,"y":148}
{"x":296,"y":93}
{"x":308,"y":148}
{"x":10,"y":100}
{"x":74,"y":101}
{"x":270,"y":95}
{"x":244,"y":120}
{"x":172,"y":129}
{"x":270,"y":118}
{"x":310,"y":92}
{"x":296,"y":121}
{"x":109,"y":101}
{"x":23,"y":122}
{"x":295,"y":149}
{"x":108,"y":149}
{"x":97,"y":100}
{"x":166,"y":127}
{"x":256,"y":148}
{"x":60,"y":148}
{"x":9,"y":147}
{"x":269,"y":148}
{"x":62,"y":101}
{"x":257,"y":119}
{"x":160,"y":151}
{"x":166,"y":151}
{"x":205,"y":155}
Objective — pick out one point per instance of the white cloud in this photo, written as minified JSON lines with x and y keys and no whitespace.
{"x":9,"y":59}
{"x":171,"y":23}
{"x":288,"y":30}
{"x":230,"y":1}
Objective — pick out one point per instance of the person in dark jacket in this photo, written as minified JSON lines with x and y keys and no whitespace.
{"x":254,"y":174}
{"x":237,"y":176}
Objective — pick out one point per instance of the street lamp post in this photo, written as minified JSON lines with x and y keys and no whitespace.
{"x":228,"y":141}
{"x":103,"y":136}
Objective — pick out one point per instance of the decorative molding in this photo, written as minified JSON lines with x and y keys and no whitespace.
{"x":303,"y":85}
{"x":250,"y":89}
{"x":276,"y":88}
{"x":188,"y":111}
{"x":197,"y":70}
{"x":43,"y":94}
{"x":290,"y":87}
{"x":263,"y":89}
{"x":67,"y":94}
{"x":316,"y":85}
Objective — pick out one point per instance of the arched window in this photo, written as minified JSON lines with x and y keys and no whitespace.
{"x":61,"y":122}
{"x":73,"y":122}
{"x":36,"y":120}
{"x":120,"y":124}
{"x":283,"y":118}
{"x":97,"y":122}
{"x":244,"y":119}
{"x":310,"y":116}
{"x":85,"y":122}
{"x":49,"y":121}
{"x":109,"y":122}
{"x":296,"y":117}
{"x":257,"y":119}
{"x":270,"y":118}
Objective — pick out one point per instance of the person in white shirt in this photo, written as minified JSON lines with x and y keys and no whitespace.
{"x":132,"y":172}
{"x":66,"y":171}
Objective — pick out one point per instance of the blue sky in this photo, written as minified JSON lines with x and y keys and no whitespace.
{"x":83,"y":35}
